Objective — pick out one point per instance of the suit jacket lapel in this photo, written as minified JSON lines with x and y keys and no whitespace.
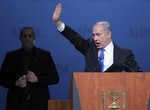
{"x":116,"y":58}
{"x":95,"y":59}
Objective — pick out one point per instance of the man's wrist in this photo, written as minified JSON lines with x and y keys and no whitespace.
{"x":61,"y":27}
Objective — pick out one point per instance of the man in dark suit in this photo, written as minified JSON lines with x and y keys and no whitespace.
{"x":115,"y":58}
{"x":27,"y":72}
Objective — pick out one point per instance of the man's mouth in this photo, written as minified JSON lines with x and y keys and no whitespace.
{"x":97,"y":44}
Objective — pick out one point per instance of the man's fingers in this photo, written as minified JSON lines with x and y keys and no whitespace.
{"x":59,"y":8}
{"x":57,"y":12}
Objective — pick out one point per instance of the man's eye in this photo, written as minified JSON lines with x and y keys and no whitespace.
{"x":27,"y":35}
{"x":98,"y":34}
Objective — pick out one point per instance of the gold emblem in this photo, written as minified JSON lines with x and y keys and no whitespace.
{"x":114,"y":95}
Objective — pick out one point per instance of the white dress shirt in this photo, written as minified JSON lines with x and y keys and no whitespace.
{"x":108,"y":55}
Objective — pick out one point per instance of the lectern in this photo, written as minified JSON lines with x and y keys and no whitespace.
{"x":108,"y":91}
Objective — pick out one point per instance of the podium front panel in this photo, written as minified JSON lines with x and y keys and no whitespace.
{"x":106,"y":91}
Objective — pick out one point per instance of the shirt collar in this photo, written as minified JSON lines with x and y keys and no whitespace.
{"x":109,"y":47}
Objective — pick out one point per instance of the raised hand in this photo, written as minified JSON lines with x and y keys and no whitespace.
{"x":56,"y":14}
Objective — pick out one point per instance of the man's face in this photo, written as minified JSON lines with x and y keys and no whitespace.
{"x":101,"y":37}
{"x":27,"y":38}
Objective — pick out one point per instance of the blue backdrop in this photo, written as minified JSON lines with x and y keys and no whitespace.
{"x":130,"y":21}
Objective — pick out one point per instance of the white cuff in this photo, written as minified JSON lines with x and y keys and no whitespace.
{"x":61,"y":28}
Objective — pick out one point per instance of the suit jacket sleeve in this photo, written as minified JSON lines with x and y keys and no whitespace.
{"x":6,"y":78}
{"x":81,"y":44}
{"x":131,"y":62}
{"x":49,"y":74}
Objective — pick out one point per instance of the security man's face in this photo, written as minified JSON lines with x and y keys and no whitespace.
{"x":27,"y":39}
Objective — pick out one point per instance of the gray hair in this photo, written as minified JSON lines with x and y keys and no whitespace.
{"x":105,"y":24}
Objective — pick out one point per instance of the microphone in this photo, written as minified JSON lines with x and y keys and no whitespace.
{"x":131,"y":70}
{"x":96,"y":65}
{"x":95,"y":68}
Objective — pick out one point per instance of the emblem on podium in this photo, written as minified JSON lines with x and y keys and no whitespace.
{"x":113,"y":95}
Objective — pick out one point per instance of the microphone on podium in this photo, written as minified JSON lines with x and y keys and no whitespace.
{"x":98,"y":64}
{"x":120,"y":65}
{"x":95,"y":67}
{"x":131,"y":70}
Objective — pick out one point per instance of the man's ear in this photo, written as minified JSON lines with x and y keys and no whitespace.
{"x":109,"y":34}
{"x":34,"y":37}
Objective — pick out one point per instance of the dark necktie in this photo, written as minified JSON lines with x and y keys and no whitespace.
{"x":101,"y":60}
{"x":26,"y":65}
{"x":26,"y":62}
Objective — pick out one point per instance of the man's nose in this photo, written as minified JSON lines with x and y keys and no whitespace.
{"x":27,"y":37}
{"x":95,"y":37}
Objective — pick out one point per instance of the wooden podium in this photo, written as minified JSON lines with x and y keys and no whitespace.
{"x":59,"y":105}
{"x":108,"y":91}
